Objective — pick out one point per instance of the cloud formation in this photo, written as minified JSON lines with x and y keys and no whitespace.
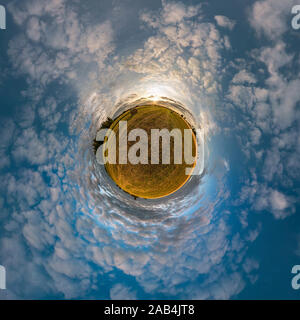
{"x":71,"y":237}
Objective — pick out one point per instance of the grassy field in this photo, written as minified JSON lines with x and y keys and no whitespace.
{"x":150,"y":180}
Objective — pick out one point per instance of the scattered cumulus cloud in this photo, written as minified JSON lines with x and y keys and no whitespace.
{"x":54,"y":238}
{"x":225,"y":22}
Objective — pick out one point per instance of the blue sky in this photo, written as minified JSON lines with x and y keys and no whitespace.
{"x":65,"y":233}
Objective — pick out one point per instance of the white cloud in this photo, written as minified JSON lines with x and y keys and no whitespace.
{"x":34,"y":29}
{"x":7,"y":131}
{"x":122,"y":292}
{"x":255,"y":136}
{"x":269,"y":119}
{"x":278,"y":200}
{"x":271,"y":17}
{"x":29,"y":147}
{"x":174,"y":12}
{"x":71,"y":233}
{"x":261,"y":197}
{"x":225,"y":22}
{"x":243,"y":97}
{"x":67,"y":42}
{"x":244,"y":77}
